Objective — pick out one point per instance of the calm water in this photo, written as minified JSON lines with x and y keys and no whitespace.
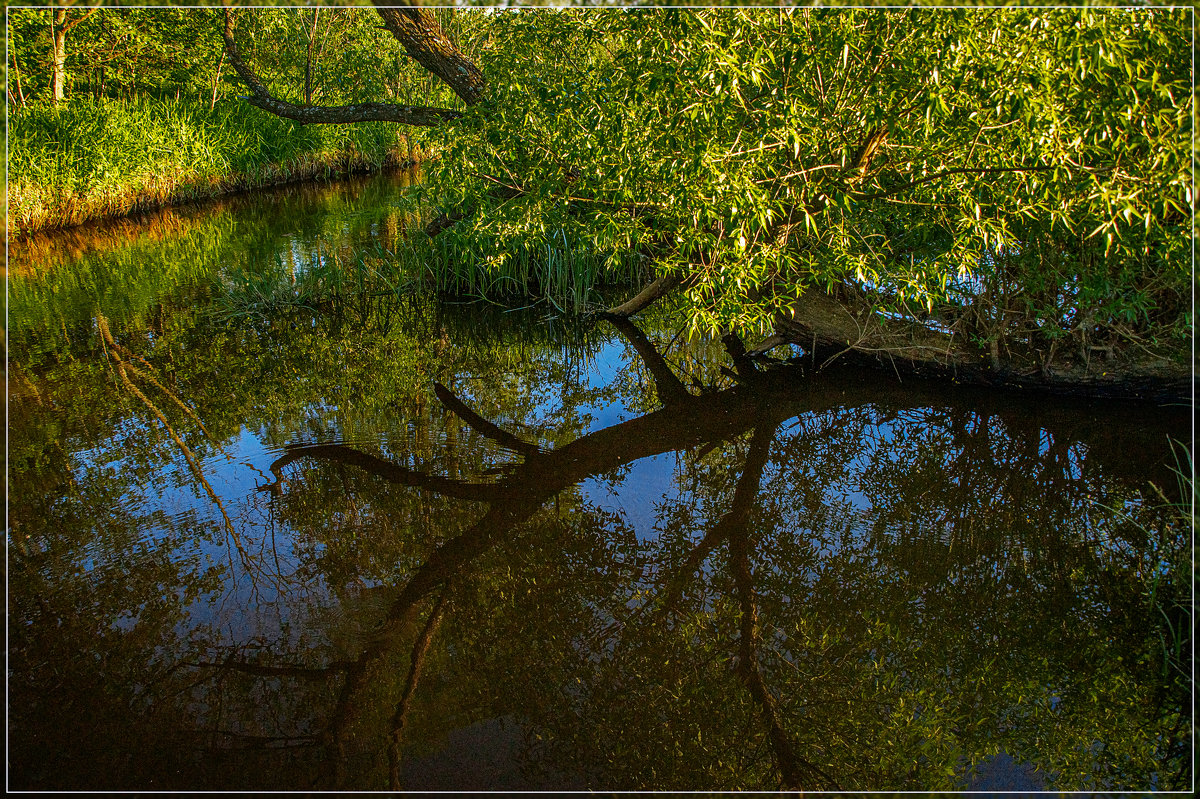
{"x":438,"y":545}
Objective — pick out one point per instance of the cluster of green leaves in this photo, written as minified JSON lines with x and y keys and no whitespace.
{"x":746,"y":148}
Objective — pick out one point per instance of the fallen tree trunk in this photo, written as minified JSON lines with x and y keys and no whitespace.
{"x":828,"y":330}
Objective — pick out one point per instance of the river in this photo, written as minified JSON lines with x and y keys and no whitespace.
{"x":394,"y":540}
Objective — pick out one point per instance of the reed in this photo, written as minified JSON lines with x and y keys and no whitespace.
{"x":90,"y":159}
{"x":565,"y":272}
{"x":563,"y":276}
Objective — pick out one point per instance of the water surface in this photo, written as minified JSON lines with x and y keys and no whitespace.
{"x":440,"y":545}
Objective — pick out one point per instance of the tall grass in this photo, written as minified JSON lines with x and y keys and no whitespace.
{"x":91,"y":159}
{"x":562,"y":275}
{"x":563,"y":271}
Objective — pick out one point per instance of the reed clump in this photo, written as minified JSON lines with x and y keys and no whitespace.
{"x":562,"y":270}
{"x":91,"y":159}
{"x":564,"y":276}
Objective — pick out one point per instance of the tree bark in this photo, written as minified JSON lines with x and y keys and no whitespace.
{"x":828,"y":329}
{"x":58,"y":56}
{"x":423,"y":39}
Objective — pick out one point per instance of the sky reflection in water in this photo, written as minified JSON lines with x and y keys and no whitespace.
{"x":712,"y":573}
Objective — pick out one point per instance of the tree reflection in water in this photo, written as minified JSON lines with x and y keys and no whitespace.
{"x":855,"y":585}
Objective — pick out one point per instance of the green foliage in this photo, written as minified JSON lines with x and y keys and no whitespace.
{"x":913,"y":156}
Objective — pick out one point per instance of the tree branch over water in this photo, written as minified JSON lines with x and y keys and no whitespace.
{"x":425,"y":42}
{"x":260,"y":96}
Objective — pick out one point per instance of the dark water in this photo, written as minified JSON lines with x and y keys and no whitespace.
{"x":442,"y":546}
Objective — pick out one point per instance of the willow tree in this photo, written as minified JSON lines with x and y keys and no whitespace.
{"x":1001,"y":194}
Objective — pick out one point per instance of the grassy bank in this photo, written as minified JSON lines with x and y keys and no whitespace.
{"x":89,"y":160}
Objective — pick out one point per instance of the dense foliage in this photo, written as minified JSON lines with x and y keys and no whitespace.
{"x":1019,"y":178}
{"x":1023,"y":175}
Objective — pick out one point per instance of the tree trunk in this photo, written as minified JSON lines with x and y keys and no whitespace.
{"x":58,"y":56}
{"x":17,"y":76}
{"x":59,"y":25}
{"x":217,"y":81}
{"x":308,"y":59}
{"x":423,"y":39}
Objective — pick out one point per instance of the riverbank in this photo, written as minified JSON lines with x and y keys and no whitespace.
{"x":832,"y":330}
{"x":87,"y":160}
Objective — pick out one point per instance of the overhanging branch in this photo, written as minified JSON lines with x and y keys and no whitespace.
{"x":656,"y":290}
{"x":260,"y":96}
{"x":426,"y":43}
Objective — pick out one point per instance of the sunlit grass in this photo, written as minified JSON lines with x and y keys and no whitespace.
{"x":88,"y":160}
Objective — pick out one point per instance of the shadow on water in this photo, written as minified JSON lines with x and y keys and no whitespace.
{"x":449,"y":547}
